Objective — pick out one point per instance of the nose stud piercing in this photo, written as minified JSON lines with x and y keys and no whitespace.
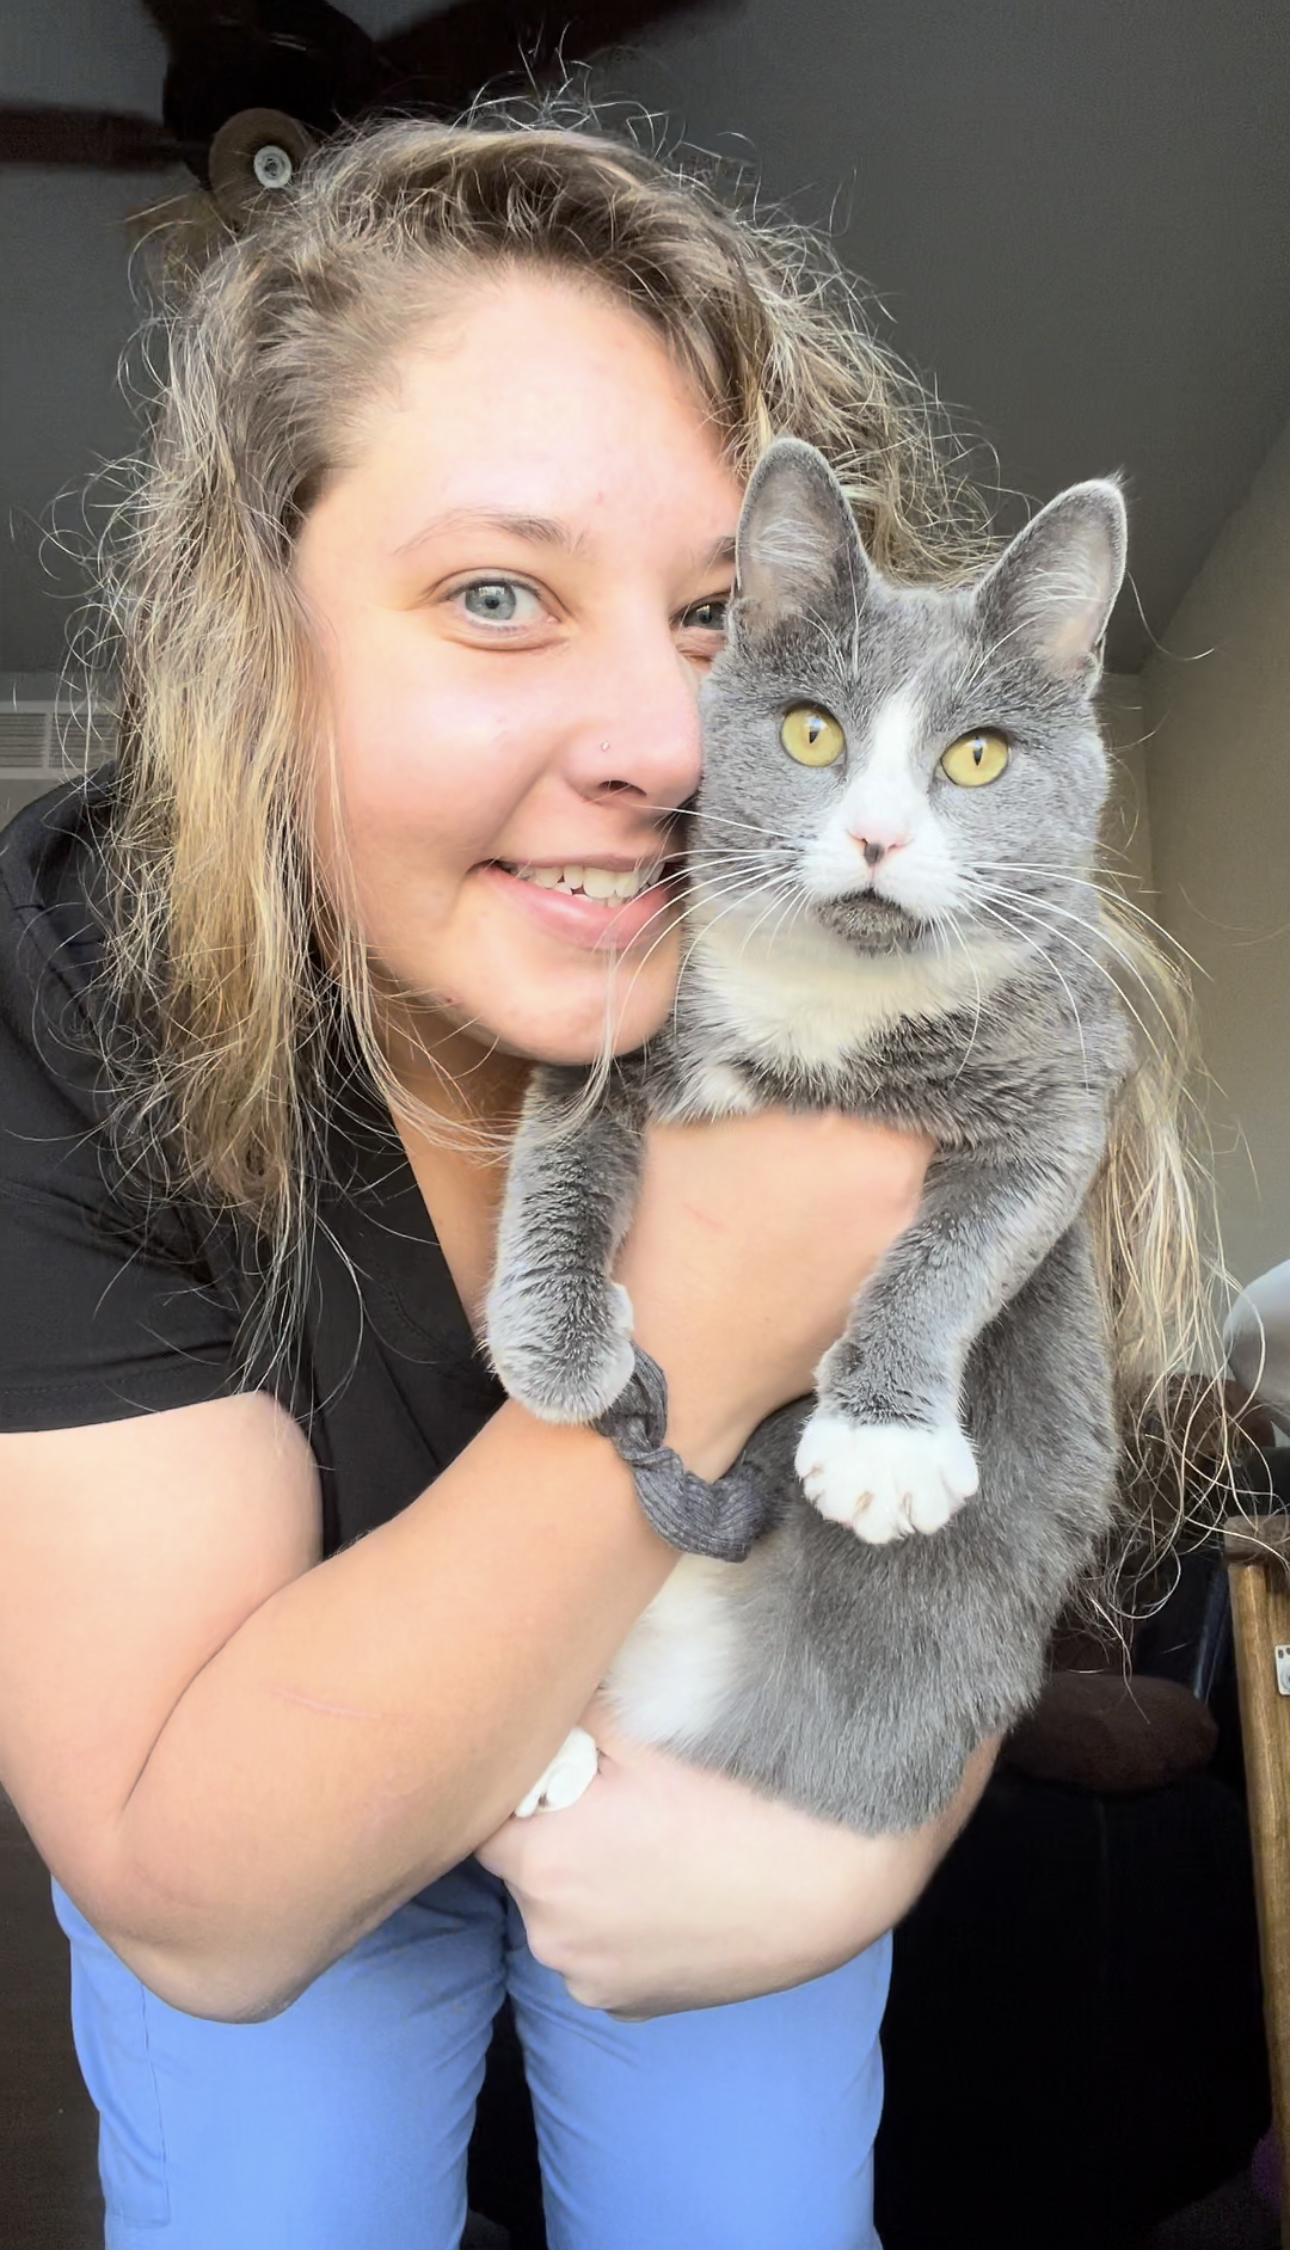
{"x":604,"y":745}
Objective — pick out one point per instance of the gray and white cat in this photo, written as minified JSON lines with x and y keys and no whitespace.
{"x":887,"y":915}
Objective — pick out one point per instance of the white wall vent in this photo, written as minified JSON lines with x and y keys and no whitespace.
{"x":45,"y":740}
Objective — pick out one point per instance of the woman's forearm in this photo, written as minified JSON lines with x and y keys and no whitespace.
{"x":376,"y":1718}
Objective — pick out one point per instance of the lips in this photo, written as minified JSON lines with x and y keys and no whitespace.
{"x":599,"y":925}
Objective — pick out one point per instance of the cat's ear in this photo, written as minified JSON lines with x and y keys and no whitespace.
{"x":798,"y":550}
{"x":1051,"y":593}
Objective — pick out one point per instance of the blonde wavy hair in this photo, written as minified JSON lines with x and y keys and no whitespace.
{"x":227,"y":1022}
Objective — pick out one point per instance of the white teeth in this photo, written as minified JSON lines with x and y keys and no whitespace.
{"x":592,"y":882}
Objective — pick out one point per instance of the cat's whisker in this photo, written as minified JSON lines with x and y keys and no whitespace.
{"x":1094,"y":930}
{"x":1107,"y":889}
{"x":766,"y":842}
{"x":803,"y":905}
{"x":733,"y":905}
{"x":736,"y":887}
{"x":1008,"y":903}
{"x":674,"y":922}
{"x":617,"y":998}
{"x":765,"y":917}
{"x":744,"y":858}
{"x":988,"y":913}
{"x":966,"y":950}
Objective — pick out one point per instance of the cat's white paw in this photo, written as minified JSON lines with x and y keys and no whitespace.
{"x":885,"y":1479}
{"x":572,"y":1770}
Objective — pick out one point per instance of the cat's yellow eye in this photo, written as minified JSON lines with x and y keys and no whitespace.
{"x":811,"y":736}
{"x":975,"y":758}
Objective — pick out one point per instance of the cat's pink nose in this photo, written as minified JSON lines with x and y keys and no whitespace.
{"x":874,"y":851}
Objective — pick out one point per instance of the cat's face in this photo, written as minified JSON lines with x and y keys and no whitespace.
{"x":903,"y":765}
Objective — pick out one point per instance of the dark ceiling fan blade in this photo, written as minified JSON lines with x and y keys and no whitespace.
{"x":181,"y":20}
{"x":104,"y":140}
{"x":226,"y":56}
{"x":303,"y":57}
{"x":447,"y":58}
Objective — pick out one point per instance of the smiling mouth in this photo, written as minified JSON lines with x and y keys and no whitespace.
{"x":609,"y":886}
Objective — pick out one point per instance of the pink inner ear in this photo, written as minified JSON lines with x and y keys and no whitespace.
{"x":1071,"y":638}
{"x":1055,"y":585}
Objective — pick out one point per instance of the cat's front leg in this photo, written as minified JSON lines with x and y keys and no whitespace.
{"x":559,"y":1329}
{"x":884,"y":1450}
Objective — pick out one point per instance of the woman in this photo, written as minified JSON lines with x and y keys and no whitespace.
{"x":428,"y":562}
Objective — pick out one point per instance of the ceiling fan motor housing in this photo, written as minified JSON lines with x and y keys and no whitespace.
{"x":253,"y":157}
{"x":300,"y":58}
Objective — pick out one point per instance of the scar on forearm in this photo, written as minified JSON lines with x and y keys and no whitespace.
{"x":316,"y":1703}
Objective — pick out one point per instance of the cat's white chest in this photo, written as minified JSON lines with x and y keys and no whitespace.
{"x":808,"y":998}
{"x":673,"y":1674}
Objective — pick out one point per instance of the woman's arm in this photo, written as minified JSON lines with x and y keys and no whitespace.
{"x":237,"y":1758}
{"x":665,"y":1887}
{"x":234,"y":1793}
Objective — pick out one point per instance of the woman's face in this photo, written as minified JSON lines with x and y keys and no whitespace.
{"x":518,"y":586}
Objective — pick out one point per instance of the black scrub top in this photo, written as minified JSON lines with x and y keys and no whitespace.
{"x":108,"y":1309}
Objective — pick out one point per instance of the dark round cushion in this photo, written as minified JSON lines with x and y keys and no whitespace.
{"x":1098,"y":1730}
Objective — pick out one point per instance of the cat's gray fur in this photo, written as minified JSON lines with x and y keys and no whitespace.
{"x":967,"y":996}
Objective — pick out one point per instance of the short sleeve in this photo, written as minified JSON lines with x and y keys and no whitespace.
{"x":106,"y":1310}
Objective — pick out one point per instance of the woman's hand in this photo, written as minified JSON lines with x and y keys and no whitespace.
{"x":750,"y":1239}
{"x":665,"y":1887}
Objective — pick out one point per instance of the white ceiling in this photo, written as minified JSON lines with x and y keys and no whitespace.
{"x":1074,"y":212}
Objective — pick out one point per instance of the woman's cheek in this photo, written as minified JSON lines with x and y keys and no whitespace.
{"x":419,"y":785}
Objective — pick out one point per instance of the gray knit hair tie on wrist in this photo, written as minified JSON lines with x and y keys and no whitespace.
{"x":723,"y":1519}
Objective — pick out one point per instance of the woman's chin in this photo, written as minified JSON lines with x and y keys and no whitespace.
{"x":570,"y":1018}
{"x":575,"y":1044}
{"x":543,"y":1034}
{"x":577,"y":1034}
{"x":499,"y":1000}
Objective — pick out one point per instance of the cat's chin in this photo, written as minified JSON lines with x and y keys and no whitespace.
{"x":875,"y":925}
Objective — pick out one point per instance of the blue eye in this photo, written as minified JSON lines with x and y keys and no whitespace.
{"x":497,"y":601}
{"x":709,"y":616}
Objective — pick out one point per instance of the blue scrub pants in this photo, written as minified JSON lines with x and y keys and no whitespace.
{"x":343,"y":2123}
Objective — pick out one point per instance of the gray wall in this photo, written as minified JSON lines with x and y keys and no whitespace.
{"x":65,"y":289}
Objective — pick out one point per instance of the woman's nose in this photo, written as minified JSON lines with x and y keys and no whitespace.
{"x":638,"y":729}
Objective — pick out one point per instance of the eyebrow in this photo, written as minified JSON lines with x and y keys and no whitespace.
{"x":540,"y":531}
{"x":719,"y":556}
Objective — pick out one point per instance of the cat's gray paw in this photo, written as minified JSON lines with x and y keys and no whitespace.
{"x":571,"y":1771}
{"x":561,"y":1342}
{"x":885,"y":1479}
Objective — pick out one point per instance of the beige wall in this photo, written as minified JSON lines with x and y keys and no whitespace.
{"x":1217,"y":706}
